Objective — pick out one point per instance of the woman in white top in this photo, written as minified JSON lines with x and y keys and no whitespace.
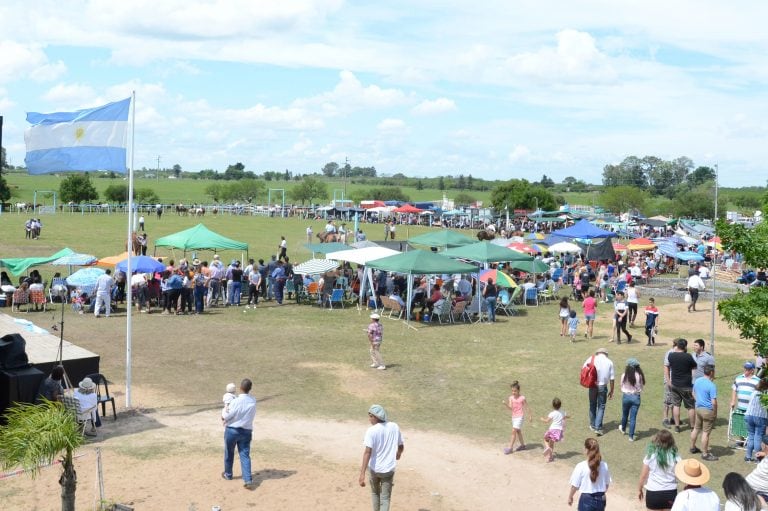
{"x":739,"y":495}
{"x":658,"y":475}
{"x":591,"y":478}
{"x":694,"y":496}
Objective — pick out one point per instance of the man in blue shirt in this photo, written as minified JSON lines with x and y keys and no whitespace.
{"x":238,"y":421}
{"x":705,"y":394}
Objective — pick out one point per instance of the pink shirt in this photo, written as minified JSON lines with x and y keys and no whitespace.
{"x":517,"y":405}
{"x":589,"y":305}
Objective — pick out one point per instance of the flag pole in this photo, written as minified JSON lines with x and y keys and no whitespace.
{"x":128,"y":272}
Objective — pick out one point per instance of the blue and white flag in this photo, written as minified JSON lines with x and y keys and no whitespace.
{"x":85,"y":140}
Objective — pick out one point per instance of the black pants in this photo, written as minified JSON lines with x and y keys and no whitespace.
{"x":621,"y":326}
{"x":694,"y":292}
{"x":632,"y":314}
{"x":253,"y":294}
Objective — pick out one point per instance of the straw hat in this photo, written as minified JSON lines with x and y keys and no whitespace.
{"x":692,"y":472}
{"x":87,"y":384}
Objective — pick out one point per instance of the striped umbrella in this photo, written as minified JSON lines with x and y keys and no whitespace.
{"x":641,"y":244}
{"x":316,"y":266}
{"x":499,"y":277}
{"x":522,"y":247}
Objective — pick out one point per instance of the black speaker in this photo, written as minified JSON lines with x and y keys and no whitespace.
{"x":13,"y":352}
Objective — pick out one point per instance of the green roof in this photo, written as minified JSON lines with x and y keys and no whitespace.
{"x":200,"y":237}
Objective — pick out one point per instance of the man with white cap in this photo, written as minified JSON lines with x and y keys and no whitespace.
{"x":383,"y":447}
{"x":599,"y":394}
{"x":375,"y":336}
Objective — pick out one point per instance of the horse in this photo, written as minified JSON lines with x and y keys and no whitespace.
{"x":485,"y":235}
{"x":327,"y":237}
{"x":159,"y":210}
{"x":135,"y":247}
{"x":182,"y":210}
{"x":198,"y":212}
{"x":215,"y":210}
{"x":24,"y":206}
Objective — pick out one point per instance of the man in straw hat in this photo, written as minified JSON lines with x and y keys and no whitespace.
{"x":375,"y":336}
{"x":694,"y":497}
{"x":383,"y":447}
{"x":87,"y":401}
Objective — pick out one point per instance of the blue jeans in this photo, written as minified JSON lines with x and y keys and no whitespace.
{"x":241,"y":438}
{"x":756,"y":429}
{"x":597,"y":398}
{"x":200,"y":292}
{"x":381,"y":489}
{"x":592,"y":502}
{"x":234,"y":297}
{"x":630,"y":403}
{"x":491,"y":303}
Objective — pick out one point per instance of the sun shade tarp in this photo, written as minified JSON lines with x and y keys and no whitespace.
{"x":486,"y":252}
{"x":19,"y":265}
{"x":420,"y":261}
{"x":584,"y":230}
{"x":200,"y":237}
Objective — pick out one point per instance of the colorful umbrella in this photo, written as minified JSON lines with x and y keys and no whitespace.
{"x":85,"y":277}
{"x":564,"y":246}
{"x":618,"y":247}
{"x":499,"y":277}
{"x":521,"y":247}
{"x":641,"y":244}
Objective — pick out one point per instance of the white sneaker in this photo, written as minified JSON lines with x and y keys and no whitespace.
{"x":381,"y":368}
{"x":621,"y":429}
{"x":374,"y":365}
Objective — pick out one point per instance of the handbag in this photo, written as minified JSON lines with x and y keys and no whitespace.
{"x":687,"y":297}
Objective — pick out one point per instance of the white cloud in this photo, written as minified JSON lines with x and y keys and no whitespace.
{"x":519,"y":153}
{"x":19,"y":60}
{"x":391,"y":125}
{"x":350,"y":94}
{"x":437,"y":106}
{"x":72,"y":96}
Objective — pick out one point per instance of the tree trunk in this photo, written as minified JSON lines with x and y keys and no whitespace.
{"x":68,"y":482}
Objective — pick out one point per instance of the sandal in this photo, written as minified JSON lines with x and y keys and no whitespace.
{"x":520,"y":448}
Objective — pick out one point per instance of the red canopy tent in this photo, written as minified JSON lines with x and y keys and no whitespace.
{"x":407,"y":208}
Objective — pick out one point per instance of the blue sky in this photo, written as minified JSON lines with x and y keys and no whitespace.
{"x":496,"y":89}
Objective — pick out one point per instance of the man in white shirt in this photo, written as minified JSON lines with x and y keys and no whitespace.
{"x":703,"y":272}
{"x":238,"y":423}
{"x":104,"y":286}
{"x":604,"y":390}
{"x":695,"y":284}
{"x":383,"y":447}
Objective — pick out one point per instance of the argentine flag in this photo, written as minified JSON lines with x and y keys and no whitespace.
{"x":85,"y":140}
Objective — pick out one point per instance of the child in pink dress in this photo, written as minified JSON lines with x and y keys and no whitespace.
{"x":555,"y":433}
{"x":519,"y":408}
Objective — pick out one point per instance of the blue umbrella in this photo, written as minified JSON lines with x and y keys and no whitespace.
{"x":85,"y":277}
{"x":689,"y":256}
{"x":141,"y":264}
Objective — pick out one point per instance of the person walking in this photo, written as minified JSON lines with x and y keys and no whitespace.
{"x":651,"y":321}
{"x":694,"y":497}
{"x":282,"y":248}
{"x":383,"y":448}
{"x":238,"y":423}
{"x":591,"y":478}
{"x":590,"y":311}
{"x":695,"y":284}
{"x":517,"y":404}
{"x":657,"y":477}
{"x":632,"y":382}
{"x":602,"y":392}
{"x":375,"y":336}
{"x":633,"y":298}
{"x":756,"y":418}
{"x":104,"y":286}
{"x":620,"y":314}
{"x":705,"y":395}
{"x":678,"y":372}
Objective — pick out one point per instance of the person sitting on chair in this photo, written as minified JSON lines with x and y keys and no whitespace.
{"x":434,"y":298}
{"x":87,"y":401}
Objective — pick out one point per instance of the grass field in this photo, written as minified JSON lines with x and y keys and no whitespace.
{"x":314,"y":362}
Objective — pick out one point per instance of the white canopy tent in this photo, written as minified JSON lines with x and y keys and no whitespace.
{"x":361,"y":256}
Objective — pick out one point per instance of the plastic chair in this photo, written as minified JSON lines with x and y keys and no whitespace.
{"x":442,"y":313}
{"x":337,"y":296}
{"x":83,"y":417}
{"x":104,"y":396}
{"x":532,"y":297}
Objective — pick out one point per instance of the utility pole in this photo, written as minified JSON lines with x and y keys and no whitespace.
{"x":158,"y":168}
{"x":346,"y":165}
{"x":714,"y":267}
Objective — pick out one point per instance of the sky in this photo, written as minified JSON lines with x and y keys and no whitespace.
{"x":496,"y":89}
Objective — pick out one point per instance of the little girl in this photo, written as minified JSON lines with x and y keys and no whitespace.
{"x":565,"y":312}
{"x":228,"y":397}
{"x":519,"y":408}
{"x":554,"y":434}
{"x":573,"y":325}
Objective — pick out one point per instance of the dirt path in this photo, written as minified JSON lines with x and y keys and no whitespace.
{"x":171,"y":459}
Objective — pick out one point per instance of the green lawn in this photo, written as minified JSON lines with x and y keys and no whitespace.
{"x":314,"y":362}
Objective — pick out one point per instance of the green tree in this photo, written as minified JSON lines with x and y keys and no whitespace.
{"x":77,"y":188}
{"x":247,"y":190}
{"x":215,"y":191}
{"x":235,"y":172}
{"x":520,"y":194}
{"x":145,"y":196}
{"x":699,"y":202}
{"x":419,"y":184}
{"x":747,"y":311}
{"x":330,"y":169}
{"x":5,"y":191}
{"x":2,"y":160}
{"x":700,"y":176}
{"x":460,"y":183}
{"x":116,"y":193}
{"x":620,"y":199}
{"x":380,"y":193}
{"x":440,"y":183}
{"x":464,"y":199}
{"x":309,"y":190}
{"x":177,"y":170}
{"x":35,"y":435}
{"x":546,"y":182}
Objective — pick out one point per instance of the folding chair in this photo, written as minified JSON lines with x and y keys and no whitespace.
{"x":84,"y":418}
{"x":531,"y":297}
{"x":395,"y":307}
{"x":458,"y":311}
{"x":442,"y":313}
{"x":337,"y":296}
{"x":20,"y":297}
{"x":104,"y":396}
{"x":504,"y":304}
{"x":548,"y":294}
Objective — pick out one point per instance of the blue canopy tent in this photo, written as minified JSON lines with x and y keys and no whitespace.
{"x":585,"y":230}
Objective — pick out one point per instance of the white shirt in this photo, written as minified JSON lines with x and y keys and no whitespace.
{"x":138,"y":280}
{"x":104,"y":284}
{"x":660,"y":479}
{"x":383,"y":439}
{"x":283,"y":244}
{"x":604,"y":368}
{"x":697,"y":499}
{"x":558,"y":420}
{"x":580,"y":478}
{"x":695,"y":282}
{"x":704,"y":274}
{"x":87,"y":402}
{"x":242,"y":411}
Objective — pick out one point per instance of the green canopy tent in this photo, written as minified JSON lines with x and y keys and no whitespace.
{"x":417,"y":262}
{"x":200,"y":237}
{"x":442,"y":238}
{"x":486,"y":252}
{"x":326,"y":248}
{"x":531,"y":266}
{"x":18,"y":265}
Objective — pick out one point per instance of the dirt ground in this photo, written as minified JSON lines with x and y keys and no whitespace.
{"x":171,"y":459}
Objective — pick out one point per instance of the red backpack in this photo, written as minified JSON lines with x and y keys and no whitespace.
{"x":588,"y":376}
